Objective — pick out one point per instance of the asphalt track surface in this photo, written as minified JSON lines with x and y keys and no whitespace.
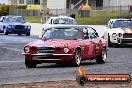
{"x":13,"y":70}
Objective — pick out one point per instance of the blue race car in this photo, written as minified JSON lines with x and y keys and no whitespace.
{"x":14,"y":25}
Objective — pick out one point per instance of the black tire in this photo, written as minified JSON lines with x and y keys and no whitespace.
{"x":81,"y":80}
{"x":116,"y":45}
{"x":30,"y":64}
{"x":5,"y":32}
{"x":102,"y":58}
{"x":27,"y":34}
{"x":109,"y":42}
{"x":19,"y":34}
{"x":77,"y":58}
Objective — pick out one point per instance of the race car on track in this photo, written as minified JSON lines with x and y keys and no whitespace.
{"x":59,"y":20}
{"x":66,"y":43}
{"x":14,"y":25}
{"x":118,"y":31}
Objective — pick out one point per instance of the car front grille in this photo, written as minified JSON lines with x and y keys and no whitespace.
{"x":49,"y":50}
{"x":19,"y":27}
{"x":127,"y":35}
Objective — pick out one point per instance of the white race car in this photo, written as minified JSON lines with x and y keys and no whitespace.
{"x":59,"y":20}
{"x":118,"y":31}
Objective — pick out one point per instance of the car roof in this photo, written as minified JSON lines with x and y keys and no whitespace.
{"x":11,"y":16}
{"x":69,"y":26}
{"x":120,"y":19}
{"x":61,"y":17}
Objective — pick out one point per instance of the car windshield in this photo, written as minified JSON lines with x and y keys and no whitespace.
{"x":62,"y":33}
{"x":14,"y":19}
{"x":122,"y":24}
{"x":64,"y":21}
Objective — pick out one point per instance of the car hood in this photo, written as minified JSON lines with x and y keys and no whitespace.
{"x":122,"y":30}
{"x":15,"y":23}
{"x":54,"y":43}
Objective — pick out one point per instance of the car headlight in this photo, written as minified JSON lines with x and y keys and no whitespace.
{"x":13,"y":26}
{"x":26,"y":49}
{"x":26,"y":27}
{"x":29,"y":27}
{"x":9,"y":26}
{"x":114,"y":35}
{"x":66,"y":50}
{"x":120,"y":34}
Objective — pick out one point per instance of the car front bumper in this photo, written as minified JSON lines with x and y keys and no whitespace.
{"x":45,"y":57}
{"x":1,"y":31}
{"x":124,"y":40}
{"x":16,"y":31}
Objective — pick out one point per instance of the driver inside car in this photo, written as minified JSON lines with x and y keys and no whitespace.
{"x":57,"y":34}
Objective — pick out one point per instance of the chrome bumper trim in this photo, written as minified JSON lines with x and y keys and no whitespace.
{"x":47,"y":59}
{"x":126,"y":38}
{"x":47,"y":54}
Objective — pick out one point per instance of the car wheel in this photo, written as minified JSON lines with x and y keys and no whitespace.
{"x":5,"y":32}
{"x":102,"y":58}
{"x":109,"y":42}
{"x":30,"y":64}
{"x":27,"y":34}
{"x":116,"y":45}
{"x":77,"y":58}
{"x":19,"y":34}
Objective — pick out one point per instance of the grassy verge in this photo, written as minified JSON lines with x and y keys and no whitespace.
{"x":95,"y":19}
{"x":92,"y":20}
{"x":33,"y":19}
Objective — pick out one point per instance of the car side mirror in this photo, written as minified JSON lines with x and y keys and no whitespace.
{"x":86,"y":37}
{"x":102,"y":36}
{"x":97,"y":34}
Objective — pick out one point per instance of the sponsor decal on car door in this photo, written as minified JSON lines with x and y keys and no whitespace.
{"x":94,"y":42}
{"x":86,"y":48}
{"x":91,"y":48}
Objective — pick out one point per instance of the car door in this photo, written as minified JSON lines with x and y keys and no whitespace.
{"x":88,"y":45}
{"x":91,"y":52}
{"x":95,"y":42}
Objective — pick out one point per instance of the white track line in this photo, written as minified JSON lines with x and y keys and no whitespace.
{"x":11,"y":61}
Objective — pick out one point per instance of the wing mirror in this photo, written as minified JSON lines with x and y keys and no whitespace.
{"x":97,"y":34}
{"x":102,"y":36}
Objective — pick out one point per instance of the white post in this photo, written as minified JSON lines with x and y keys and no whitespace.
{"x":87,"y":2}
{"x":43,"y":4}
{"x":70,"y":5}
{"x":25,"y":2}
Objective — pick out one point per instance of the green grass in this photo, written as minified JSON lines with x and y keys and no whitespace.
{"x":96,"y":18}
{"x":92,"y":20}
{"x":33,"y":19}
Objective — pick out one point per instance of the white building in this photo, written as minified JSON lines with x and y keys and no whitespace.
{"x":56,"y":4}
{"x":25,"y":2}
{"x":117,"y":2}
{"x":67,"y":4}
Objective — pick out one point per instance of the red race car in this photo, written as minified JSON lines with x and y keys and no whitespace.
{"x":66,"y":43}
